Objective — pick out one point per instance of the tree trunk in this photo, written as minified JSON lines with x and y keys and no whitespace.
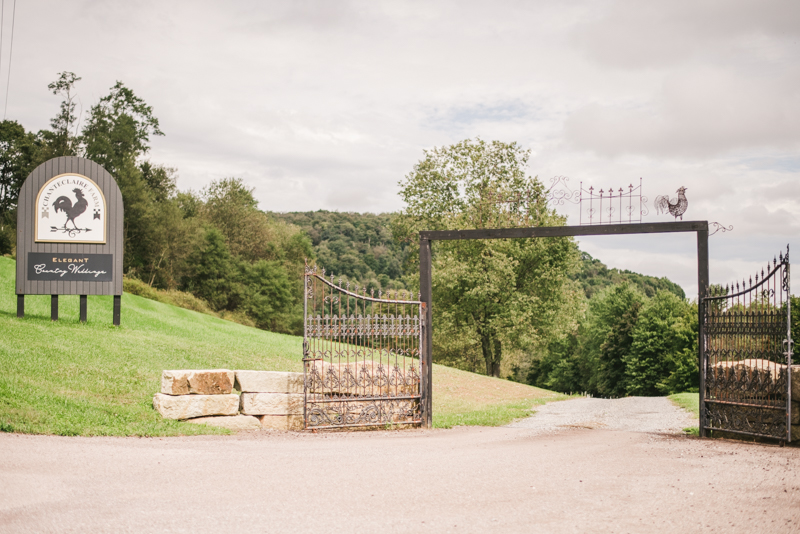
{"x":498,"y":354}
{"x":492,"y":353}
{"x":486,"y":348}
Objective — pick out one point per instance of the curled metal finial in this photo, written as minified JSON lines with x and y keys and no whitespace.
{"x":719,"y":228}
{"x":560,"y":192}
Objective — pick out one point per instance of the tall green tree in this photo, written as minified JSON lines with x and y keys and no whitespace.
{"x":615,"y":313}
{"x":117,"y":136}
{"x":118,"y":129}
{"x":213,"y":274}
{"x":18,"y":156}
{"x":500,"y":294}
{"x":231,"y":207}
{"x":663,"y":347}
{"x":64,"y":138}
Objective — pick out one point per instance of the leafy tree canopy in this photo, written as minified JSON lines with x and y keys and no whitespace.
{"x":509,"y":293}
{"x":64,"y":140}
{"x":18,"y":157}
{"x":118,"y":129}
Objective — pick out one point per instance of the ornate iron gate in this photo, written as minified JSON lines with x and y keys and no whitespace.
{"x":361,"y":355}
{"x":747,"y":355}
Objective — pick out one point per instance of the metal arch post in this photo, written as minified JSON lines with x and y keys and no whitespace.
{"x":702,"y":291}
{"x":426,"y":296}
{"x":789,"y":347}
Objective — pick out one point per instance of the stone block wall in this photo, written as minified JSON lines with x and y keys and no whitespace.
{"x":269,"y":399}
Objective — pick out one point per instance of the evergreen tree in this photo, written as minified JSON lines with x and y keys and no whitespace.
{"x":212,"y":276}
{"x":616,"y":313}
{"x":661,"y":338}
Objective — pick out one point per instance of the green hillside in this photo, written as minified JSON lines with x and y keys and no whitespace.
{"x":70,"y":378}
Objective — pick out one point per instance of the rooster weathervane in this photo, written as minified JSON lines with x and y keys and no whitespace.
{"x":675,"y":207}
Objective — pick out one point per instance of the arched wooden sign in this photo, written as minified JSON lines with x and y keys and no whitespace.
{"x":69,"y":234}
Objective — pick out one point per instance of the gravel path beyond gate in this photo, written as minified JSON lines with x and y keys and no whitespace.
{"x":631,"y":414}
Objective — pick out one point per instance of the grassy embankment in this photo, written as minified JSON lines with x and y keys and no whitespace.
{"x":70,"y":378}
{"x":691,"y":403}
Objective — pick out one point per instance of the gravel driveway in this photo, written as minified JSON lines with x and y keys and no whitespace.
{"x":464,"y":480}
{"x":632,"y":414}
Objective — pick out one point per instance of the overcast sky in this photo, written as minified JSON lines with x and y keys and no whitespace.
{"x":328,"y":104}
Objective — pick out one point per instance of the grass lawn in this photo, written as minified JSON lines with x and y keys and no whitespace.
{"x":70,"y":378}
{"x":691,"y":403}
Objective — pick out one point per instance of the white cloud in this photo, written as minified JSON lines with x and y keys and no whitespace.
{"x":633,"y":34}
{"x":700,"y":112}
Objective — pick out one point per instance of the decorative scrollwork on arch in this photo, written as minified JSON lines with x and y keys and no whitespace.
{"x":719,"y":228}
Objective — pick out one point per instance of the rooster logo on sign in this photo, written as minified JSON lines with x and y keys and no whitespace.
{"x":676,"y":207}
{"x":73,"y":211}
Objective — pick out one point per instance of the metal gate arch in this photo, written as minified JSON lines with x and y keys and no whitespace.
{"x":747,"y":355}
{"x":362,"y":355}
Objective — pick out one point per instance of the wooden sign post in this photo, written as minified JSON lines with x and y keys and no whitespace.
{"x":69,"y":234}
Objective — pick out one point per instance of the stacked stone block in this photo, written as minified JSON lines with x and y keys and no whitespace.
{"x":275,"y":398}
{"x":269,"y":399}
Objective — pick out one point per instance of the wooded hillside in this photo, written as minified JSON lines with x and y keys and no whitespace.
{"x":359,"y":246}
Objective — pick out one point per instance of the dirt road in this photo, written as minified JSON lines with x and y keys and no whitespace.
{"x":461,"y":480}
{"x":634,"y":414}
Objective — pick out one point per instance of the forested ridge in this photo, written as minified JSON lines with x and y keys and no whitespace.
{"x":356,"y":246}
{"x":360,"y":246}
{"x":538,"y":311}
